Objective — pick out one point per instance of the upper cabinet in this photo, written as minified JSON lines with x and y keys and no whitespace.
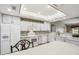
{"x":26,"y":26}
{"x":16,"y":20}
{"x":36,"y":26}
{"x":45,"y":26}
{"x":6,"y":19}
{"x":12,"y":9}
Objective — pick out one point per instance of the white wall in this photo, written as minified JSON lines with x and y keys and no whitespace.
{"x":60,"y":27}
{"x":71,"y":21}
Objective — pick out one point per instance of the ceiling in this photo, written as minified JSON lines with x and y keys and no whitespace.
{"x":10,"y":8}
{"x":41,"y":9}
{"x":71,"y":10}
{"x":35,"y":11}
{"x":44,"y":11}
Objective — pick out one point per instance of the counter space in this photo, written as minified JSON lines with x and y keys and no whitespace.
{"x":72,"y":40}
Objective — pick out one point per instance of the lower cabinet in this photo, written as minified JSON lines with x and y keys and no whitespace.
{"x":52,"y":37}
{"x":73,"y":42}
{"x":10,"y":35}
{"x":44,"y":38}
{"x":15,"y":33}
{"x":5,"y":46}
{"x":69,"y":40}
{"x":5,"y":38}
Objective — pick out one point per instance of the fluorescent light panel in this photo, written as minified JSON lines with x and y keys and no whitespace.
{"x":39,"y":14}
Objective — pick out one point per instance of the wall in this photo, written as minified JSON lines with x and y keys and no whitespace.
{"x":59,"y":26}
{"x":71,"y":21}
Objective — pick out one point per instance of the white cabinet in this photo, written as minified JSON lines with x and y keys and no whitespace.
{"x":52,"y":36}
{"x":36,"y":26}
{"x":15,"y":33}
{"x":25,"y":26}
{"x":44,"y":38}
{"x":45,"y":27}
{"x":48,"y":26}
{"x":10,"y":33}
{"x":7,"y":19}
{"x":5,"y":38}
{"x":74,"y":41}
{"x":41,"y":27}
{"x":22,"y":26}
{"x":0,"y":18}
{"x":15,"y":20}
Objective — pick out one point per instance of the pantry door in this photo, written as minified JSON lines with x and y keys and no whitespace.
{"x":5,"y":38}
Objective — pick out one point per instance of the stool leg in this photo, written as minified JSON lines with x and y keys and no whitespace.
{"x":32,"y":44}
{"x":11,"y":49}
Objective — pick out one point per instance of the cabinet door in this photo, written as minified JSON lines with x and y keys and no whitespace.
{"x":38,"y":27}
{"x":35,"y":26}
{"x":15,"y":33}
{"x":47,"y":26}
{"x":5,"y":38}
{"x":41,"y":27}
{"x":7,"y":19}
{"x":44,"y":38}
{"x":0,"y":18}
{"x":23,"y":26}
{"x":15,"y":20}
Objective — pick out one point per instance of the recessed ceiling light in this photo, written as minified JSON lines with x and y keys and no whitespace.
{"x":48,"y":6}
{"x":9,"y":9}
{"x":25,"y":8}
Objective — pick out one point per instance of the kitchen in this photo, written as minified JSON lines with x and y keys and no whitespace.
{"x":28,"y":21}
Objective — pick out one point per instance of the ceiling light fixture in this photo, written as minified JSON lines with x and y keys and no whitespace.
{"x":48,"y":6}
{"x":9,"y":9}
{"x":25,"y":8}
